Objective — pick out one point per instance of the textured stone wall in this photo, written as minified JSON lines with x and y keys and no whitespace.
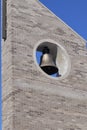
{"x":33,"y":100}
{"x":7,"y":103}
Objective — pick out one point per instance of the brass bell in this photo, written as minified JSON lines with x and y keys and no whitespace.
{"x":47,"y":63}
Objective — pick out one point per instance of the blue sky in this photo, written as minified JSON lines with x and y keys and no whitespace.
{"x":72,"y":12}
{"x":0,"y":66}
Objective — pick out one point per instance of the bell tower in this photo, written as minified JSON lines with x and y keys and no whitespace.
{"x":32,"y":97}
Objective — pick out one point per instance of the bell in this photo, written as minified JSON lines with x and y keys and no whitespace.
{"x":47,"y":64}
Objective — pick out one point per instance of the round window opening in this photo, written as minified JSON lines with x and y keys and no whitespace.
{"x":52,"y":59}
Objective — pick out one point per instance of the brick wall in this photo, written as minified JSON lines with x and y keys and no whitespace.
{"x":32,"y":100}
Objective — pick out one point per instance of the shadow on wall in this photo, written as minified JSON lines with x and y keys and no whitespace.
{"x":0,"y":66}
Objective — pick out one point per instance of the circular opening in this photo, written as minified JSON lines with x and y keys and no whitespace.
{"x":52,"y":59}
